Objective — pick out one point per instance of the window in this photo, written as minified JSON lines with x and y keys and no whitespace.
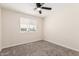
{"x":27,"y":25}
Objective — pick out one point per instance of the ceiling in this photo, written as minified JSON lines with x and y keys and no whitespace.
{"x":28,"y":8}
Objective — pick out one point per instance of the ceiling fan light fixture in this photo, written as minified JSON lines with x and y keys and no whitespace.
{"x":38,"y":9}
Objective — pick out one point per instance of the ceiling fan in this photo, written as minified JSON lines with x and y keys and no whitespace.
{"x":39,"y":7}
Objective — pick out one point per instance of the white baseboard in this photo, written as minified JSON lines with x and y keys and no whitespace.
{"x":18,"y":44}
{"x":63,"y":45}
{"x":45,"y":40}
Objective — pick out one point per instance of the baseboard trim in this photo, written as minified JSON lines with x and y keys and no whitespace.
{"x":45,"y":40}
{"x":19,"y":44}
{"x":63,"y":46}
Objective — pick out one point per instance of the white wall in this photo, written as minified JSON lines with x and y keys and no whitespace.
{"x":0,"y":29}
{"x":11,"y":30}
{"x":62,"y":26}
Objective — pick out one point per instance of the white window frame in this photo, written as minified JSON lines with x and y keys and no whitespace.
{"x":28,"y":25}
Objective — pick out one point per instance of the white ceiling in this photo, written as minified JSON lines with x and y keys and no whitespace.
{"x":28,"y":8}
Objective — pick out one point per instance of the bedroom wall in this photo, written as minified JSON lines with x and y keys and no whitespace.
{"x":11,"y":30}
{"x":62,"y":26}
{"x":0,"y":29}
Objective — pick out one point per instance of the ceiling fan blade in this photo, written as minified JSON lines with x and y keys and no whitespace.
{"x":40,"y":12}
{"x":48,"y":8}
{"x":38,"y":5}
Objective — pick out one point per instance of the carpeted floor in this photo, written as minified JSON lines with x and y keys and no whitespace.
{"x":38,"y":48}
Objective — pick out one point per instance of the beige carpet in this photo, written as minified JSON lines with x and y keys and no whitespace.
{"x":38,"y":48}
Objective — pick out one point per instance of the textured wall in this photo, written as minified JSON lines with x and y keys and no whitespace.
{"x":62,"y":26}
{"x":11,"y":30}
